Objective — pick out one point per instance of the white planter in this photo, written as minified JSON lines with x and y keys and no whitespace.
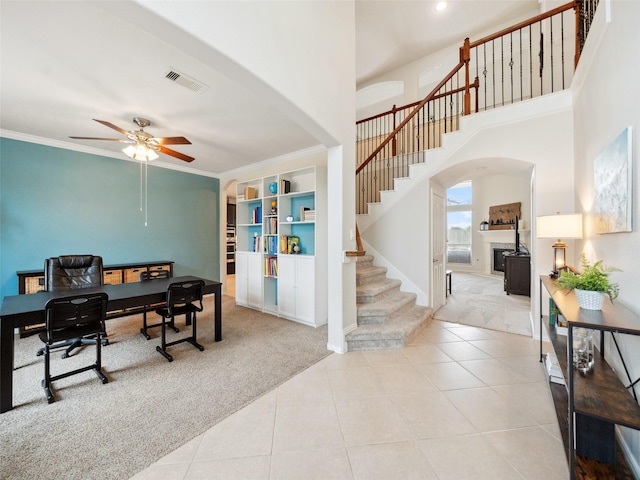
{"x":590,"y":300}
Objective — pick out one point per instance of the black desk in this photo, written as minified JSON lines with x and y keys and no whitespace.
{"x":23,"y":310}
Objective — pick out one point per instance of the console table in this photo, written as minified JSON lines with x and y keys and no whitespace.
{"x":590,"y":405}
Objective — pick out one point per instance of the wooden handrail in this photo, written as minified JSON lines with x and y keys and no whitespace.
{"x":421,"y":104}
{"x":360,"y":251}
{"x":525,"y":23}
{"x":413,"y":104}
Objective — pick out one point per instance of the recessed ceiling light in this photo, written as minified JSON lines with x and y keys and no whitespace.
{"x":441,"y":6}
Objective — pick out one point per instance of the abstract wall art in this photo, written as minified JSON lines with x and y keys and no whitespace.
{"x":612,"y":178}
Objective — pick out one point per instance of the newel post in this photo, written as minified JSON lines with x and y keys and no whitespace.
{"x":465,"y":56}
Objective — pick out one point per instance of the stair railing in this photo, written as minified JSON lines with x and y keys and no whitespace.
{"x":527,"y":60}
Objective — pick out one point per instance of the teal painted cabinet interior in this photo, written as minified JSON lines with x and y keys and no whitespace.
{"x":55,"y":201}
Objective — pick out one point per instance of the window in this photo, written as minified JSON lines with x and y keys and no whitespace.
{"x":459,"y":208}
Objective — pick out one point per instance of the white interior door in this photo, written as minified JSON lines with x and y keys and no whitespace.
{"x":438,"y":247}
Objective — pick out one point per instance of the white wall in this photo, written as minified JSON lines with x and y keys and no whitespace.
{"x":606,"y":102}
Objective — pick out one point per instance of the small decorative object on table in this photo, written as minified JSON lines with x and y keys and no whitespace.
{"x":582,"y":349}
{"x":593,"y":281}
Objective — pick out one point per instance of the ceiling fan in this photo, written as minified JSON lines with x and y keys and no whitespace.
{"x":143,"y":144}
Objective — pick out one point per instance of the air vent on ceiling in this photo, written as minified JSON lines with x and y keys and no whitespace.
{"x":185,"y":81}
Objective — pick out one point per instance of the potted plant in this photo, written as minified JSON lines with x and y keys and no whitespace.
{"x":591,"y":285}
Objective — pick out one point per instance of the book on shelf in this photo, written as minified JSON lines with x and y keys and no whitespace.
{"x":285,"y":186}
{"x":257,"y":215}
{"x":292,"y":243}
{"x":249,"y":193}
{"x":553,"y":312}
{"x":552,"y":367}
{"x":302,"y":212}
{"x":272,"y":226}
{"x":271,"y":266}
{"x":257,"y":243}
{"x":271,"y":244}
{"x":561,"y":325}
{"x":309,"y":216}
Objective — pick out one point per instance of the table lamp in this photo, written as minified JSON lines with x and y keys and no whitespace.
{"x":559,"y":226}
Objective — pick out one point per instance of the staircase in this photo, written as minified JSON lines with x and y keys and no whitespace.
{"x":387,"y":317}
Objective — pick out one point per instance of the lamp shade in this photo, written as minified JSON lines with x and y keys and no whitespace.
{"x":559,"y":226}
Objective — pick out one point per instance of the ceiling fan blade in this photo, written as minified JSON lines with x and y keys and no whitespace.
{"x":107,"y":139}
{"x":111,"y":125}
{"x":172,"y":141}
{"x":173,"y":153}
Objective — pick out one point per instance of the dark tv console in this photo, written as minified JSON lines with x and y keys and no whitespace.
{"x":517,"y":273}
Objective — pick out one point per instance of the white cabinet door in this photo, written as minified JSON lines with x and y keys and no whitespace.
{"x":287,"y":286}
{"x":249,"y":279}
{"x":242,"y":285}
{"x":254,"y":284}
{"x":296,"y":287}
{"x":305,"y":289}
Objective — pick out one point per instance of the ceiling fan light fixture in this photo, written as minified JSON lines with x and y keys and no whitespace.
{"x":140,"y":151}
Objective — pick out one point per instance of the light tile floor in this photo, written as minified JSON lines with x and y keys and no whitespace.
{"x":459,"y":403}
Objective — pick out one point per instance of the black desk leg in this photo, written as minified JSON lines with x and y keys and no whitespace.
{"x":218,"y":313}
{"x":6,"y":366}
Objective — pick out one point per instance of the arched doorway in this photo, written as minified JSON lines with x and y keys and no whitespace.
{"x":480,"y":282}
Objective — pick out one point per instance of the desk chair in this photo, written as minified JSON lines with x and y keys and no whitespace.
{"x":71,"y":318}
{"x":70,"y":272}
{"x":153,"y":275}
{"x":183,"y":298}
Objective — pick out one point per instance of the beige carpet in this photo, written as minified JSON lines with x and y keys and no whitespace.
{"x":480,"y":301}
{"x":150,"y":406}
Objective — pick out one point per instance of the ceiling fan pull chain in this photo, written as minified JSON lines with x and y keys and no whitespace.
{"x":141,"y":209}
{"x":146,"y":197}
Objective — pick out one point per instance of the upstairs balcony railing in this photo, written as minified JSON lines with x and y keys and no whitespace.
{"x":533,"y":58}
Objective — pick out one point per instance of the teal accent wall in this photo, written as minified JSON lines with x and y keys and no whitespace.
{"x":55,"y":201}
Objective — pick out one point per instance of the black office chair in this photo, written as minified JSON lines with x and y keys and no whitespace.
{"x":154,"y":275}
{"x":183,"y":298}
{"x":69,"y":272}
{"x":70,"y":318}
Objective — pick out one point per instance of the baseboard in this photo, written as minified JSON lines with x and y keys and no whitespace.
{"x":633,"y":461}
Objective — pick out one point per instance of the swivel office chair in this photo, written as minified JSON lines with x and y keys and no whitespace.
{"x":68,"y":272}
{"x":183,"y":298}
{"x":154,"y":275}
{"x":71,"y":318}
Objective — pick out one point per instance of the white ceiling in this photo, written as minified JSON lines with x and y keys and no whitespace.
{"x":64,"y":63}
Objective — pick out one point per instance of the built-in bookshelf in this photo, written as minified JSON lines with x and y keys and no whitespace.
{"x":278,"y":233}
